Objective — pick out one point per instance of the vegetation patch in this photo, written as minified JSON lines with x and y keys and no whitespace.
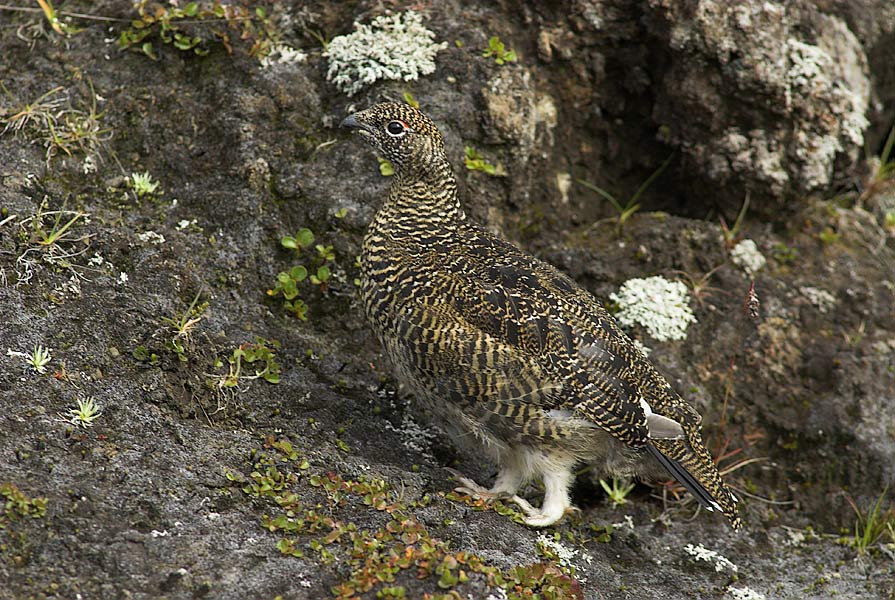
{"x":377,"y":558}
{"x":317,"y":271}
{"x":18,"y":505}
{"x":59,"y":124}
{"x":196,"y":25}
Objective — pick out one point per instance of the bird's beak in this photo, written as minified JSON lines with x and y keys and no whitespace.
{"x":351,"y":122}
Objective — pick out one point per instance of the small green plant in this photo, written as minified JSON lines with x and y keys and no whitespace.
{"x":618,"y":491}
{"x":341,"y":213}
{"x":86,"y":413}
{"x":870,"y":526}
{"x":56,"y":233}
{"x":498,"y":50}
{"x":889,"y":219}
{"x":49,"y":238}
{"x":54,"y":121}
{"x":883,"y":171}
{"x":287,"y":285}
{"x":59,"y":26}
{"x":319,"y":274}
{"x":301,"y":240}
{"x":143,"y":354}
{"x":828,"y":236}
{"x":475,"y":161}
{"x":409,"y":99}
{"x":183,"y":325}
{"x":192,"y":27}
{"x":731,"y":235}
{"x":142,"y":184}
{"x":633,"y":204}
{"x":385,"y":167}
{"x":37,"y":359}
{"x":784,"y":254}
{"x":262,"y":352}
{"x":17,"y":504}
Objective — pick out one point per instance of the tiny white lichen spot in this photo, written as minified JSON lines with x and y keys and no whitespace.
{"x":747,"y":256}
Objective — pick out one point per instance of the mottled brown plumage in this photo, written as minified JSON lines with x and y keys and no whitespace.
{"x":505,"y":350}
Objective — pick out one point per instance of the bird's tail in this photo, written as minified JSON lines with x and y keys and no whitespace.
{"x":690,"y":463}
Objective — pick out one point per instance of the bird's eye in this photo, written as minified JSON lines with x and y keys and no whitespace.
{"x":396,"y":128}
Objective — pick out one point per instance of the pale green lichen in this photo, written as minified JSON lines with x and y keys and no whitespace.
{"x":658,"y":305}
{"x":397,"y":47}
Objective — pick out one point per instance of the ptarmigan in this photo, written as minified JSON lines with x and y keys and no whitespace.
{"x":506,"y":351}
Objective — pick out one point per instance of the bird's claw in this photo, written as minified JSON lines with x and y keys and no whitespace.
{"x":471,"y":488}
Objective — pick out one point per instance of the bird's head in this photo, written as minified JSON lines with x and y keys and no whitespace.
{"x":400,"y":132}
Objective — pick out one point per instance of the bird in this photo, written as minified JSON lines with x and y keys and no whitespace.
{"x":505,"y":352}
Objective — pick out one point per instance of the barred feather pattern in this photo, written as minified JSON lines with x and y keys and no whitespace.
{"x":501,"y":348}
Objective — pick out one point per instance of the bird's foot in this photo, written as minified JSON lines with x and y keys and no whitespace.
{"x":470,"y":487}
{"x":544,"y":516}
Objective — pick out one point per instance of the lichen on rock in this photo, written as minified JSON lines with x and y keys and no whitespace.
{"x":658,"y":305}
{"x":397,"y":47}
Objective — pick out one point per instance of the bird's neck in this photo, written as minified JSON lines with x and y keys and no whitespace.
{"x":425,"y":196}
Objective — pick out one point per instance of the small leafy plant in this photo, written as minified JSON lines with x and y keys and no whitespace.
{"x":58,"y":25}
{"x":86,"y":413}
{"x":16,"y":504}
{"x":37,"y":359}
{"x":498,"y":50}
{"x":59,"y":124}
{"x":475,"y":161}
{"x":871,"y":525}
{"x":318,"y":274}
{"x":262,"y":352}
{"x":192,"y":27}
{"x":183,"y":326}
{"x":409,"y":99}
{"x":784,"y":254}
{"x":386,"y":169}
{"x":618,"y":491}
{"x":142,"y":184}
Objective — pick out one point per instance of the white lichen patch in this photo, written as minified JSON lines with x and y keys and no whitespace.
{"x":549,"y":547}
{"x":744,"y":593}
{"x":659,"y":305}
{"x":746,"y":256}
{"x":282,"y":54}
{"x":822,"y":299}
{"x":151,"y":237}
{"x":701,"y":553}
{"x":809,"y":76}
{"x":414,"y":436}
{"x":397,"y":47}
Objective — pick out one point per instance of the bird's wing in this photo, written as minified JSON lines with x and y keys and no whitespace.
{"x":537,"y":316}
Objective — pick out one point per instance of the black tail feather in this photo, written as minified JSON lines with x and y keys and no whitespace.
{"x":687,"y":480}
